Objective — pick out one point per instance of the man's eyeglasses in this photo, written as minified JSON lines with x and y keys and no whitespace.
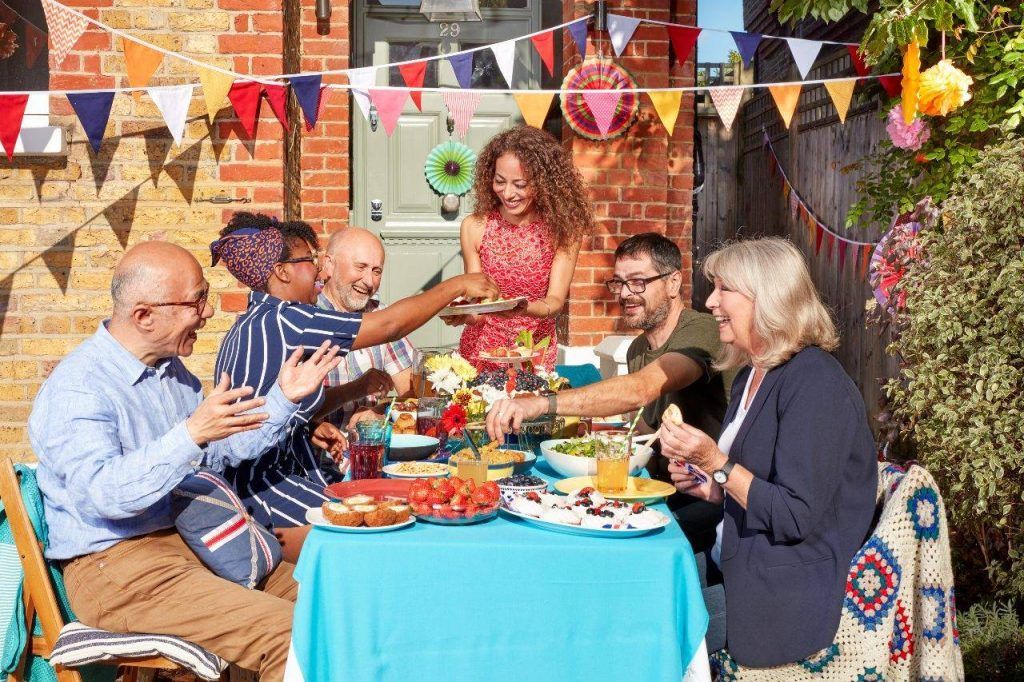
{"x":636,"y":286}
{"x":313,"y":258}
{"x":198,"y":305}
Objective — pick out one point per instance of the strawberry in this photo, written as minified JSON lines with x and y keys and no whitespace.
{"x":419,"y":483}
{"x":492,"y":490}
{"x":422,"y":508}
{"x":456,"y":482}
{"x":418,"y":494}
{"x":435,"y":482}
{"x":459,"y":501}
{"x":446,"y":512}
{"x":585,"y":492}
{"x":638,"y":507}
{"x":481,"y":497}
{"x":446,"y":489}
{"x":467,"y":488}
{"x":435,"y":497}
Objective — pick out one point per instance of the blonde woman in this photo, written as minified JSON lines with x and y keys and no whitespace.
{"x":795,"y":465}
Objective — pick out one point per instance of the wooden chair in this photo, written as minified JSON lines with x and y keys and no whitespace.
{"x":39,"y":596}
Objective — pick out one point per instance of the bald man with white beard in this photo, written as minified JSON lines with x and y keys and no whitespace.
{"x":354,"y":264}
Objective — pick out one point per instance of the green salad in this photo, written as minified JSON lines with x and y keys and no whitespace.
{"x":578,"y":447}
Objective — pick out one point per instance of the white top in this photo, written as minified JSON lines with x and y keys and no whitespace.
{"x":725,"y":442}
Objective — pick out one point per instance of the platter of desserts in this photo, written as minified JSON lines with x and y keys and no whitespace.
{"x":513,"y":355}
{"x":416,"y":470}
{"x":637,"y":489}
{"x":481,"y":307}
{"x":453,"y":501}
{"x":585,"y":511}
{"x":361,"y":514}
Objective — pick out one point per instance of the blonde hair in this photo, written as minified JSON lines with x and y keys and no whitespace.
{"x":788,"y":314}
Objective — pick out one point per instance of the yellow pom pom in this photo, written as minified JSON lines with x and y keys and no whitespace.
{"x":944,"y":88}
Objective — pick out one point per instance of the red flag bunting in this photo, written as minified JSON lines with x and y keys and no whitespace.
{"x":545,"y":46}
{"x":12,"y":111}
{"x":245,"y":98}
{"x":858,"y":64}
{"x":865,"y":258}
{"x":817,"y":239}
{"x":893,"y":85}
{"x":683,"y":39}
{"x":277,"y":96}
{"x":413,"y":75}
{"x":830,"y":241}
{"x":842,"y":254}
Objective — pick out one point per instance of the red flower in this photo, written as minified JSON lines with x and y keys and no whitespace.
{"x":454,"y":418}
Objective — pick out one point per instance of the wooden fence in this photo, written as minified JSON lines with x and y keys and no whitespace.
{"x":742,"y":198}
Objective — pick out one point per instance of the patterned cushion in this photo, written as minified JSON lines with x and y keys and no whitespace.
{"x":79,"y":645}
{"x":222,"y":532}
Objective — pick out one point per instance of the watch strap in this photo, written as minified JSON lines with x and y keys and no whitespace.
{"x":552,"y":404}
{"x":725,"y":471}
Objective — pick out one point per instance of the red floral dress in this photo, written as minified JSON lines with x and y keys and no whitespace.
{"x":519,"y":259}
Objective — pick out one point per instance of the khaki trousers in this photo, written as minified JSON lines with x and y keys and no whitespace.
{"x":156,"y":584}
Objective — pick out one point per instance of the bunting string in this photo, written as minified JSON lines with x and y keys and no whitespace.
{"x":722,"y":30}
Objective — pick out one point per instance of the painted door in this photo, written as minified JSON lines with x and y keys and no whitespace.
{"x":422,"y":243}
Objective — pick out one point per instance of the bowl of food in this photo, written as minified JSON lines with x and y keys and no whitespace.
{"x":403,"y":417}
{"x":573,"y":457}
{"x":500,"y":462}
{"x":409,"y":447}
{"x":453,"y":502}
{"x":520,"y":484}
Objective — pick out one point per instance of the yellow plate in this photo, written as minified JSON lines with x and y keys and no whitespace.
{"x":636,"y":488}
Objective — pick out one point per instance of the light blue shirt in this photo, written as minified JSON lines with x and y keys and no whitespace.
{"x":110,"y":435}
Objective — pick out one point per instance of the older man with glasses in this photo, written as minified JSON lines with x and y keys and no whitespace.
{"x":670,"y":362}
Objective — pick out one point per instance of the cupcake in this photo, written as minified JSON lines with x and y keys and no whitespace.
{"x":341,"y":514}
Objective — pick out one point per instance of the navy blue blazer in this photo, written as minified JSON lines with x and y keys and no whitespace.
{"x":785,"y":558}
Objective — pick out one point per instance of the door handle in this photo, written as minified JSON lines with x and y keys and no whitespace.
{"x":376,"y":210}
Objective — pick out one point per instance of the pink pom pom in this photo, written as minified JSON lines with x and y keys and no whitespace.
{"x":906,"y":136}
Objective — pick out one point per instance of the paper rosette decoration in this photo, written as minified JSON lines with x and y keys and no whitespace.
{"x":599,"y":74}
{"x":449,"y":168}
{"x":889,"y":261}
{"x":944,"y":88}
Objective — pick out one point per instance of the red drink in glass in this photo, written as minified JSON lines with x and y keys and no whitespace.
{"x":366,"y":459}
{"x":427,"y":426}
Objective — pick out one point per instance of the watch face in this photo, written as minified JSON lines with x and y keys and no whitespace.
{"x":720,"y":477}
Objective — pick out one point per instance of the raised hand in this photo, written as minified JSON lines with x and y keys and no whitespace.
{"x":375,"y":384}
{"x":684,"y":442}
{"x":299,"y":379}
{"x":223,"y":413}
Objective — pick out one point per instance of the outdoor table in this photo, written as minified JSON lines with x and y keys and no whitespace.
{"x":494,"y":599}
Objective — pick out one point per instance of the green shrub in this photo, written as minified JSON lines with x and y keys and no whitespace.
{"x":992,"y":641}
{"x":959,"y":395}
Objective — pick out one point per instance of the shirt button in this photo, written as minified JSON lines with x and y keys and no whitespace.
{"x":195,"y":463}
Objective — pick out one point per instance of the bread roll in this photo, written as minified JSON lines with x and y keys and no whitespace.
{"x":672,"y":414}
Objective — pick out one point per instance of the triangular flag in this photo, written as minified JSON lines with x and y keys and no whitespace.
{"x":65,"y":29}
{"x":621,"y":29}
{"x":277,"y":96}
{"x":389,"y":105}
{"x":505,"y":55}
{"x":141,"y":63}
{"x":602,"y":104}
{"x":727,"y":103}
{"x":12,"y":112}
{"x":93,"y":110}
{"x":817,"y":239}
{"x":35,"y":41}
{"x":578,"y":31}
{"x":461,"y":106}
{"x":804,"y":53}
{"x":666,"y":103}
{"x":865,"y":258}
{"x":362,"y":79}
{"x":245,"y":98}
{"x":842,"y":253}
{"x":858,"y":63}
{"x":215,"y":90}
{"x":893,"y":85}
{"x":812,"y":224}
{"x":746,"y":44}
{"x":309,"y":95}
{"x":785,"y":191}
{"x":462,"y":65}
{"x":545,"y":46}
{"x":842,"y":94}
{"x":173,"y":105}
{"x":786,"y":98}
{"x":794,"y":205}
{"x":413,"y":75}
{"x":683,"y":39}
{"x":830,"y":241}
{"x":534,"y":106}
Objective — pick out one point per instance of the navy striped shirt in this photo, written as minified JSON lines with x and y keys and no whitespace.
{"x":287,"y":479}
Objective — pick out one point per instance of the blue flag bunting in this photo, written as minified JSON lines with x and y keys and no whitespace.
{"x":307,"y":92}
{"x":463,"y":66}
{"x":747,"y":44}
{"x":93,"y":110}
{"x":578,"y":31}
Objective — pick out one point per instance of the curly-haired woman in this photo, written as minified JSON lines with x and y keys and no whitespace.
{"x":531,"y":215}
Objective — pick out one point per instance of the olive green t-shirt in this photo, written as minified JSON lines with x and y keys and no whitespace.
{"x":703,"y":402}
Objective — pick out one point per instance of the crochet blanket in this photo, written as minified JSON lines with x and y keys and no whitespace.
{"x":899,"y":614}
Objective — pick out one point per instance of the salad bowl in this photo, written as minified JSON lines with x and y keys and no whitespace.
{"x":572,"y":457}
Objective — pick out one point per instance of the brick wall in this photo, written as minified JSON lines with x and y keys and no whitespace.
{"x":65,"y":223}
{"x":641,"y":182}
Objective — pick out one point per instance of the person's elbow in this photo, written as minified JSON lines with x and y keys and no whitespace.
{"x":792,"y":519}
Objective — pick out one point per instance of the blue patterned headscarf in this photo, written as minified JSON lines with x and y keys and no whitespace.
{"x":249,"y":254}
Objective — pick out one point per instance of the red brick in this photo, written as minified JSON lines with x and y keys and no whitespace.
{"x":251,"y":5}
{"x":234,"y":302}
{"x":251,"y":172}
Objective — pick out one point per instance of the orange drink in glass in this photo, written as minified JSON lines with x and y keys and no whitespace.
{"x":612,"y":465}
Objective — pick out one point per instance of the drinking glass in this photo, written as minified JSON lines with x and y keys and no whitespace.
{"x":366,"y":449}
{"x":612,"y":456}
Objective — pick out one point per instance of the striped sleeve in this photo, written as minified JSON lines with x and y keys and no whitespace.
{"x":309,"y":326}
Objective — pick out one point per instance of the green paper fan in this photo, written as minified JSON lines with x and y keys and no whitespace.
{"x":449,"y":168}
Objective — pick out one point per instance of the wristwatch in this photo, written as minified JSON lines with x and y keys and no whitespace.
{"x":552,"y":403}
{"x":722,"y":475}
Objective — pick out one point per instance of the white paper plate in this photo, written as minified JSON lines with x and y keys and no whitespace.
{"x":482,"y":308}
{"x":316,"y":518}
{"x":512,"y":360}
{"x":392,"y":471}
{"x":580,"y":530}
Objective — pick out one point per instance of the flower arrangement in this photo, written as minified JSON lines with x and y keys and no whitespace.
{"x":448,"y":373}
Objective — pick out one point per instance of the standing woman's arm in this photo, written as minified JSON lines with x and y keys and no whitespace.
{"x":562,"y":268}
{"x":471,"y":234}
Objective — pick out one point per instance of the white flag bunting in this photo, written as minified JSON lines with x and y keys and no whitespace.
{"x":173,"y":105}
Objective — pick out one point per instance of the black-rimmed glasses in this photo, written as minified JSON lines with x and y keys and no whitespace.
{"x":636,"y":286}
{"x":313,"y":258}
{"x":198,"y":305}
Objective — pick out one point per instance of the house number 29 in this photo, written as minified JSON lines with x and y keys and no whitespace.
{"x":449,"y":30}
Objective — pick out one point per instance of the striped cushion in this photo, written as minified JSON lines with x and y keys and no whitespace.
{"x":80,"y":644}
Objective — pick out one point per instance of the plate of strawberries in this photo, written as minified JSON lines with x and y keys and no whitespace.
{"x":453,"y":501}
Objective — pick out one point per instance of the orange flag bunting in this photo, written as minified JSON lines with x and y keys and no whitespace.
{"x":141,"y":63}
{"x":534,"y":106}
{"x":413,"y":75}
{"x":865,"y":258}
{"x":842,"y":94}
{"x":545,"y":45}
{"x":666,"y":103}
{"x":786,"y":98}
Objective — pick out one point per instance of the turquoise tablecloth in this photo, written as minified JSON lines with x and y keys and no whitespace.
{"x":494,"y":601}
